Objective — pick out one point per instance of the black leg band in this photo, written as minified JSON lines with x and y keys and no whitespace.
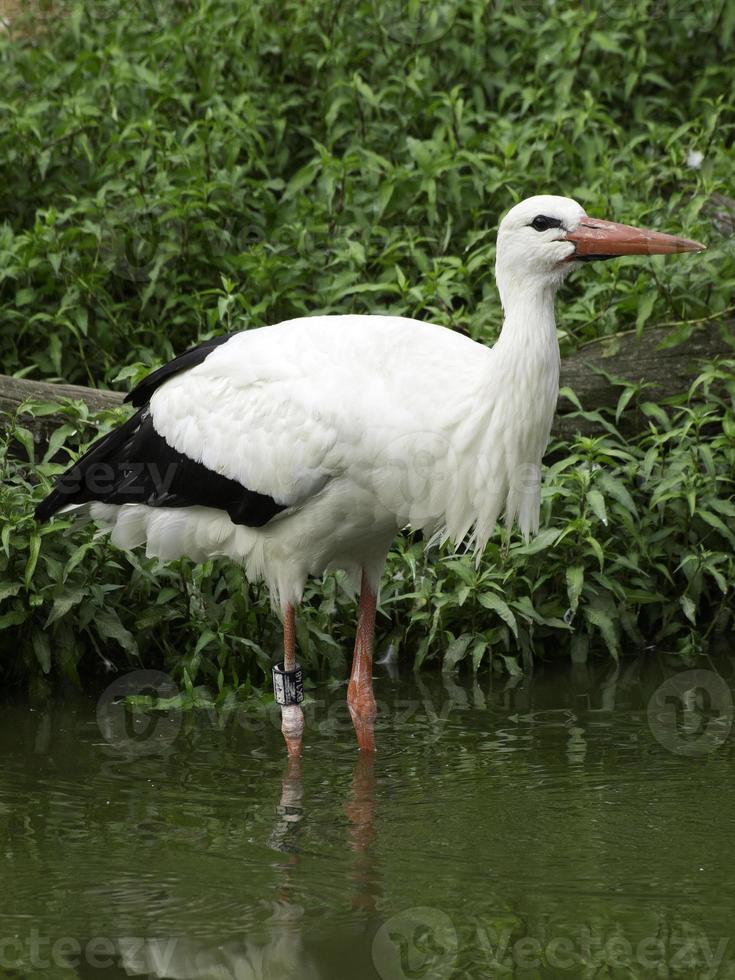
{"x":288,"y":685}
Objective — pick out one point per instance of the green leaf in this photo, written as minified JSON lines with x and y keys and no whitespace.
{"x":616,"y":489}
{"x":623,"y":400}
{"x":9,"y":589}
{"x":565,"y":392}
{"x":33,"y":551}
{"x":714,"y":521}
{"x":77,"y":555}
{"x":490,"y":600}
{"x":597,"y":549}
{"x":42,"y":650}
{"x":107,"y":623}
{"x":205,"y":638}
{"x":645,"y":308}
{"x":464,"y":569}
{"x":25,"y":438}
{"x":575,"y":584}
{"x":656,"y":412}
{"x":690,"y":610}
{"x":62,"y":605}
{"x":478,"y":652}
{"x":302,"y":179}
{"x":511,"y":665}
{"x":606,"y":43}
{"x":597,"y":504}
{"x":13,"y":618}
{"x":57,"y":440}
{"x":456,"y":652}
{"x":543,"y":540}
{"x":603,"y":622}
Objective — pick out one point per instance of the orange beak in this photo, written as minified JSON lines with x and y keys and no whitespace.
{"x":597,"y":239}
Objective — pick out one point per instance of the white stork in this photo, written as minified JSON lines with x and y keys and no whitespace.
{"x":306,"y":446}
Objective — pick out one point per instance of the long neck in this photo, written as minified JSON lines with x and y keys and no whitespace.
{"x":522,"y":386}
{"x":529,"y":327}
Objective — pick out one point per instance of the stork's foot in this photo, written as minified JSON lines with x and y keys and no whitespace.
{"x":292,"y":726}
{"x":363,"y":709}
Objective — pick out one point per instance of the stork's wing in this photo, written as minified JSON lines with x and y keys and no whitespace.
{"x":133,"y":464}
{"x":263,"y":420}
{"x":284,"y":410}
{"x":209,"y":438}
{"x":141,"y":394}
{"x":258,"y":412}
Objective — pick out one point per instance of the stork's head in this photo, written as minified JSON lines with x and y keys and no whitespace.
{"x":543,"y":238}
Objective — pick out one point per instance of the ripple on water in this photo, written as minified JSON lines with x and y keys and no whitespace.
{"x":529,"y":809}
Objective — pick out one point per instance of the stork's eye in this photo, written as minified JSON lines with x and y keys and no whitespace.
{"x":542,"y":223}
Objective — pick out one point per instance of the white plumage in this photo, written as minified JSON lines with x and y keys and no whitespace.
{"x":358,"y":426}
{"x":361,"y":425}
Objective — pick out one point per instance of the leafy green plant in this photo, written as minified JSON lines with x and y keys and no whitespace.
{"x":173,"y":170}
{"x":327,"y":157}
{"x":635,"y":551}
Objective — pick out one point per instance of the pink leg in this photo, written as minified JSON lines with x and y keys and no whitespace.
{"x":360,"y":697}
{"x":292,"y":717}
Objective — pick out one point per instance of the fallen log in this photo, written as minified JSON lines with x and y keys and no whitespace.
{"x":669,"y":371}
{"x":15,"y":391}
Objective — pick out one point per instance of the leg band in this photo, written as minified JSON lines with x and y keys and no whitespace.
{"x":288,"y":685}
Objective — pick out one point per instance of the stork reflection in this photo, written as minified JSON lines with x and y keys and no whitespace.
{"x":286,"y":950}
{"x":290,"y":810}
{"x":360,"y":810}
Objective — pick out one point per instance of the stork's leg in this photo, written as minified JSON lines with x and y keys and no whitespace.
{"x":292,"y":717}
{"x":360,"y":697}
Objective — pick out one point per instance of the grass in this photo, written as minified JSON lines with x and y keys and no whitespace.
{"x":173,"y":170}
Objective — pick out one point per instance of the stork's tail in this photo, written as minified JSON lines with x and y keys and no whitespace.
{"x":78,"y":485}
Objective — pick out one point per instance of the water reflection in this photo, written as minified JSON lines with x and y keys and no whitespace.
{"x":546,"y":826}
{"x":360,"y":810}
{"x":284,"y":953}
{"x":290,"y":810}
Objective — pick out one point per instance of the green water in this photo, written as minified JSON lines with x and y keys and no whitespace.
{"x":547,"y":827}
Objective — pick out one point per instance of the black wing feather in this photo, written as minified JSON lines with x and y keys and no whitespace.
{"x":135,"y":464}
{"x":141,"y":394}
